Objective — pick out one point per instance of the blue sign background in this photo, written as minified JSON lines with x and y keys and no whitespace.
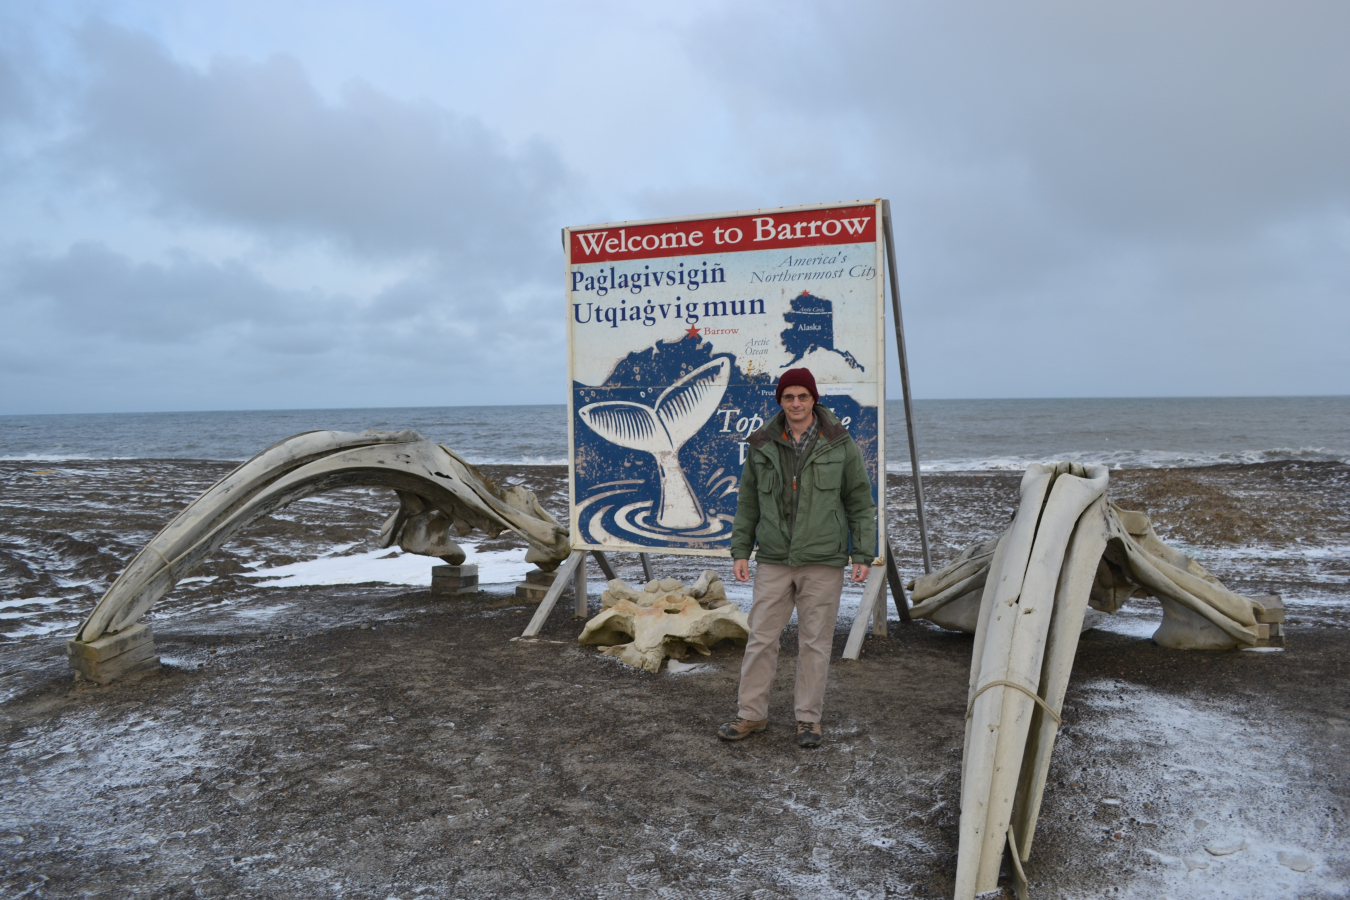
{"x":619,"y":489}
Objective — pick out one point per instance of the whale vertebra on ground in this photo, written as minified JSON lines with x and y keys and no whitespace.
{"x":664,"y":619}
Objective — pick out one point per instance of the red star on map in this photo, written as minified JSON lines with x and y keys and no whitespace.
{"x":692,"y":332}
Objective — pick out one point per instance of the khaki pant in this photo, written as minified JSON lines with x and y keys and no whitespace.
{"x":814,"y":591}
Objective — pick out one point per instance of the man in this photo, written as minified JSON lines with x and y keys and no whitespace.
{"x":804,"y":490}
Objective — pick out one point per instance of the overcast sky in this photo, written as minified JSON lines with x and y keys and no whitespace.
{"x":246,"y":205}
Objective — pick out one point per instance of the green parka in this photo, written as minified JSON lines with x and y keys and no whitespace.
{"x":833,"y":499}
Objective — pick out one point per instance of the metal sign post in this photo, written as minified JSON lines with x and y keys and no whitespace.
{"x":904,"y":384}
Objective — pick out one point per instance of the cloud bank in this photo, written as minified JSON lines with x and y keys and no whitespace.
{"x":1090,"y":200}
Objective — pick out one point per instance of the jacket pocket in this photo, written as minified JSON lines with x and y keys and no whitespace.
{"x":828,"y":475}
{"x":828,"y":469}
{"x":766,"y":479}
{"x":769,"y":530}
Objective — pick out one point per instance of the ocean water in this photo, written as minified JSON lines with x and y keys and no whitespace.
{"x":953,"y":435}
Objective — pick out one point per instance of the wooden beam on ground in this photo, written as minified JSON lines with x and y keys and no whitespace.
{"x":897,"y":586}
{"x":873,"y":590}
{"x":560,"y":581}
{"x":603,"y":563}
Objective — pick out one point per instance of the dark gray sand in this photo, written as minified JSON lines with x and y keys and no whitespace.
{"x":365,"y":741}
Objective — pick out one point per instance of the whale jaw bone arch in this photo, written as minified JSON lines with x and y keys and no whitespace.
{"x":1025,"y":597}
{"x":662,"y":429}
{"x":433,"y":482}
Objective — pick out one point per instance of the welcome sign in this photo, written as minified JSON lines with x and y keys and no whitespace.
{"x":677,"y":332}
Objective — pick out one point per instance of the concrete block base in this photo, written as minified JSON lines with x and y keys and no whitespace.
{"x":448,"y":581}
{"x":1274,"y":609}
{"x":1270,"y":635}
{"x":113,"y":655}
{"x":537,"y":583}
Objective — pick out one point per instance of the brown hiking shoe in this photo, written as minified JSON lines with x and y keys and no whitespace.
{"x":741,"y":729}
{"x":808,"y":734}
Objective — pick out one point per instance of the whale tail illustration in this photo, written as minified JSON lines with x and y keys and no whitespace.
{"x":662,"y":429}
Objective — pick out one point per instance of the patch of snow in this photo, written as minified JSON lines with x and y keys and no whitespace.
{"x":262,"y":614}
{"x":675,"y":667}
{"x":358,"y":568}
{"x":1131,"y":624}
{"x":27,"y":601}
{"x":391,"y":567}
{"x":1224,"y":833}
{"x":499,"y":566}
{"x":1257,"y":551}
{"x":37,"y":629}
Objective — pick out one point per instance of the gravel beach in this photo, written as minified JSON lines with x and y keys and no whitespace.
{"x":363,"y":740}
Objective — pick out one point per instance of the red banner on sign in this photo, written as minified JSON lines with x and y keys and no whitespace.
{"x":765,"y":231}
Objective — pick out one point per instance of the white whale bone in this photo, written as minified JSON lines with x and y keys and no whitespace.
{"x":428,"y":534}
{"x":662,"y":429}
{"x":645,"y":627}
{"x":618,"y":589}
{"x":1184,"y":629}
{"x":1013,"y":651}
{"x":1068,"y":548}
{"x":1113,"y":588}
{"x":970,"y":560}
{"x":408,"y":505}
{"x":1066,"y":624}
{"x":218,"y":500}
{"x":1199,"y":613}
{"x":715,"y":594}
{"x":700,"y":585}
{"x":972,"y":582}
{"x":1230,"y":612}
{"x":1009,"y":563}
{"x":961,"y":613}
{"x":309,"y":464}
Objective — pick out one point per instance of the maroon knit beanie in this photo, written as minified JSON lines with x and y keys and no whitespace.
{"x":796,"y":378}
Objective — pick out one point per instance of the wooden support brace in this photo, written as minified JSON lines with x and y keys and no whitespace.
{"x":879,"y":612}
{"x":646,"y":566}
{"x":579,"y":588}
{"x":873,"y":590}
{"x":560,"y":581}
{"x":897,"y":586}
{"x":603,"y":563}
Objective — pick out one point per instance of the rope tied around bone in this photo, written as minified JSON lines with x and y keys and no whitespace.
{"x":1026,"y":690}
{"x":168,"y":566}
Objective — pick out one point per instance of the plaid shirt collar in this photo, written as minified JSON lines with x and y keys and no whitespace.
{"x":809,"y":435}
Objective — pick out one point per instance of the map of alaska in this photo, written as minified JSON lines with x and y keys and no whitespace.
{"x":811,"y":327}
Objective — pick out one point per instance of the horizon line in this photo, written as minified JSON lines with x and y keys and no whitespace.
{"x":283,"y":409}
